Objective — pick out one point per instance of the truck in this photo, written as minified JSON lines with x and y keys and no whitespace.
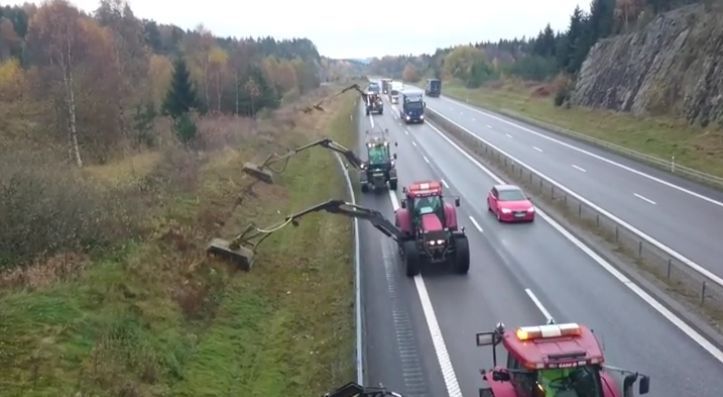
{"x":395,"y":91}
{"x":386,"y":86}
{"x":433,"y":88}
{"x":373,"y":87}
{"x":554,"y":360}
{"x":412,"y":109}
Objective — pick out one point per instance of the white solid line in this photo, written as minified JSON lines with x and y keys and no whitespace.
{"x":445,"y":184}
{"x":450,"y":378}
{"x":538,"y":149}
{"x":601,"y":158}
{"x":357,"y":281}
{"x":682,"y":258}
{"x":539,"y":305}
{"x":414,"y":143}
{"x":670,"y":316}
{"x":474,"y":222}
{"x":640,"y":196}
{"x":578,"y":168}
{"x":426,"y":159}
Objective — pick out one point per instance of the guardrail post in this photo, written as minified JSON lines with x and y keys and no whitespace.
{"x":617,"y":233}
{"x":669,"y":264}
{"x":579,"y":210}
{"x":597,"y":220}
{"x":640,"y":249}
{"x":702,"y":294}
{"x":552,"y":191}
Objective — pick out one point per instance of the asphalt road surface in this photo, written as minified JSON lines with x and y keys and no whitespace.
{"x":419,"y":332}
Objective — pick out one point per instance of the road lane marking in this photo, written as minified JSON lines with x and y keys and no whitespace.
{"x":675,"y":254}
{"x":406,"y":132}
{"x":414,"y":143}
{"x":448,"y":374}
{"x":474,"y":222}
{"x":597,"y":156}
{"x":539,"y":304}
{"x":425,"y":159}
{"x":640,"y":196}
{"x":445,"y":184}
{"x":474,"y":119}
{"x":538,"y":149}
{"x":577,"y":167}
{"x":508,"y":135}
{"x":642,"y":294}
{"x":489,"y":126}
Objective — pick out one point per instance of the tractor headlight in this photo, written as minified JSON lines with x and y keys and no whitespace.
{"x":431,"y":242}
{"x":440,"y":242}
{"x":506,"y":211}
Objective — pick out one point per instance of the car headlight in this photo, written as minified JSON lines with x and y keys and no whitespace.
{"x":531,"y":209}
{"x":506,"y":211}
{"x":408,"y":117}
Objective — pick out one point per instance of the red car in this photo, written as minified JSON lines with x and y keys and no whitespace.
{"x":510,"y":204}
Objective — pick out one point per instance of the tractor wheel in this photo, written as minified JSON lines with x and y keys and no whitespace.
{"x":367,"y":111}
{"x":411,"y":258}
{"x":381,"y":111}
{"x":393,"y":184}
{"x":364,"y":188}
{"x":461,"y":255}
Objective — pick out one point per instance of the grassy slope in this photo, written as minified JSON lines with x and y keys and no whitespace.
{"x":154,"y":318}
{"x":658,"y":136}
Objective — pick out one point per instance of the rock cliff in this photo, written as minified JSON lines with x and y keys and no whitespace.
{"x":672,"y":66}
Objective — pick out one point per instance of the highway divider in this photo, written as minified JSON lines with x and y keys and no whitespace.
{"x":681,"y":275}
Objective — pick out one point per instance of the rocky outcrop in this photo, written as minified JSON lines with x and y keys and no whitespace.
{"x":673,"y":66}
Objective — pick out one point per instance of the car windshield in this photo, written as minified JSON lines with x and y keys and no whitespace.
{"x":378,"y":154}
{"x":570,"y":382}
{"x":511,"y":195}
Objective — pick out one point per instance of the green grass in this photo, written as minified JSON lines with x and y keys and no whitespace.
{"x":156,"y":318}
{"x":662,"y":137}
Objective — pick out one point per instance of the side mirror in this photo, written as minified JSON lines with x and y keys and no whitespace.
{"x":644,"y":385}
{"x":404,"y":190}
{"x":395,"y":156}
{"x":403,"y":203}
{"x":396,"y":143}
{"x":500,"y":376}
{"x":456,"y":202}
{"x":485,"y":338}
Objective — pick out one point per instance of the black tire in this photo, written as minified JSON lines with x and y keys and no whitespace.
{"x":364,"y":188}
{"x":393,"y":185}
{"x":381,"y":111}
{"x":461,"y":255}
{"x":367,"y":112}
{"x":411,"y":258}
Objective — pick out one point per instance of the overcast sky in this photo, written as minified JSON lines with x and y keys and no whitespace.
{"x":342,"y":29}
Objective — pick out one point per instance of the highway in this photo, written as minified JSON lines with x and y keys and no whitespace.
{"x":682,"y":215}
{"x":419,"y":333}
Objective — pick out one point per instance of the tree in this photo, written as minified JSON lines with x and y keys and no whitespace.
{"x":58,"y":38}
{"x":185,"y":128}
{"x":181,"y":95}
{"x":544,"y":45}
{"x":218,"y":62}
{"x":410,"y":73}
{"x":254,"y":92}
{"x":469,"y":65}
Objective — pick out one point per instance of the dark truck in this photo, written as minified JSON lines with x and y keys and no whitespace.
{"x":434,"y":87}
{"x":386,"y":86}
{"x":413,"y":105}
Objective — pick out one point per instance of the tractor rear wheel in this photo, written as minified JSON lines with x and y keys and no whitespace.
{"x":364,"y":187}
{"x":411,"y":258}
{"x":461,"y":254}
{"x":393,"y":184}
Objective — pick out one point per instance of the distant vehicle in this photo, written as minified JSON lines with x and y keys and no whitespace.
{"x":434,"y":87}
{"x":395,"y":91}
{"x":374,"y":87}
{"x":386,"y":85}
{"x":374,"y":103}
{"x":510,"y":204}
{"x":412,"y":110}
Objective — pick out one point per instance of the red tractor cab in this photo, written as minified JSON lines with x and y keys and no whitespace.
{"x":554,"y":360}
{"x":429,"y":225}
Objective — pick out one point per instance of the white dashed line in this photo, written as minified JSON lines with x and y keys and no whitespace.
{"x":577,"y":167}
{"x":474,"y":119}
{"x":445,"y":184}
{"x":489,"y":126}
{"x":474,"y":222}
{"x":538,"y":149}
{"x":537,"y":303}
{"x":644,"y":198}
{"x":406,"y":132}
{"x":414,"y":143}
{"x":508,"y":135}
{"x":426,"y":160}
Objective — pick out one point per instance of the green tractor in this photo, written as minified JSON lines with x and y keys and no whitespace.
{"x":380,"y":168}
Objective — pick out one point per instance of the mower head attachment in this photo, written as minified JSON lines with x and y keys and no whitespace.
{"x":258,"y":172}
{"x":235,"y":253}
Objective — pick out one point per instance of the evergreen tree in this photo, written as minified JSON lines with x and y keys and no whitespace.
{"x":181,"y":95}
{"x":602,"y":15}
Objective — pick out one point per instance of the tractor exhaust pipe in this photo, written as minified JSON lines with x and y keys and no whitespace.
{"x":223,"y":249}
{"x":258,"y":172}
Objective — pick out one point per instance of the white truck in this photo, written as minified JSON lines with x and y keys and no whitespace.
{"x":395,"y":91}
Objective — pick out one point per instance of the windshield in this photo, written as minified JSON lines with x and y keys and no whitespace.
{"x":378,"y":154}
{"x":511,"y":195}
{"x":413,"y":105}
{"x":569,"y":382}
{"x":427,"y":205}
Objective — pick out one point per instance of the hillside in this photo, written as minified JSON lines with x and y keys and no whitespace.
{"x":672,"y":66}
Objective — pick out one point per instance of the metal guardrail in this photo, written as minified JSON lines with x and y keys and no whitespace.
{"x":681,"y":274}
{"x":670,"y":166}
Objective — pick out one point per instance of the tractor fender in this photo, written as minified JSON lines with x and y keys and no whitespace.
{"x":610,"y":385}
{"x":450,"y":215}
{"x":501,"y":388}
{"x":403,"y":220}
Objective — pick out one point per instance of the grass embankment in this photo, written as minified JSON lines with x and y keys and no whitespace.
{"x":157,"y":318}
{"x":662,"y":137}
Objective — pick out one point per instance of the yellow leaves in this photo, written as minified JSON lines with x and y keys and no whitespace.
{"x":12,"y":80}
{"x":159,"y":75}
{"x":217,"y":56}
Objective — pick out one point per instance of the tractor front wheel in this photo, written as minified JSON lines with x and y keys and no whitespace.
{"x":411,"y":258}
{"x":393,"y":184}
{"x":364,"y":187}
{"x":461,"y":254}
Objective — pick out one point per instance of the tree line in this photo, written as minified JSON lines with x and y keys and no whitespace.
{"x":537,"y":58}
{"x":98,"y":81}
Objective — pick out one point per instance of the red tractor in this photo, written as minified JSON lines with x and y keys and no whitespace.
{"x":554,"y":360}
{"x":429,"y":228}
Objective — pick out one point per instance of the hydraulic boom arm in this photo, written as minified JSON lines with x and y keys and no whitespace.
{"x":354,"y":390}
